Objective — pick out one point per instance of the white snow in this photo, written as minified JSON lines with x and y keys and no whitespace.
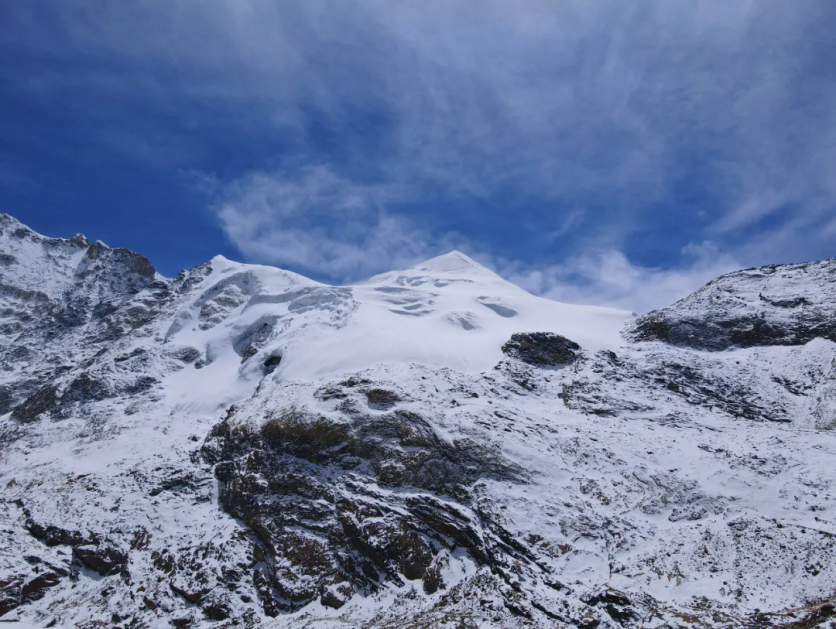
{"x":441,"y":313}
{"x":629,"y":480}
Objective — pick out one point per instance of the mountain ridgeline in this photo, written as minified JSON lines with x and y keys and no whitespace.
{"x":435,"y":447}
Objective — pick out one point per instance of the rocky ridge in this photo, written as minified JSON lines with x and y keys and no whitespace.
{"x":241,"y":446}
{"x":789,"y":304}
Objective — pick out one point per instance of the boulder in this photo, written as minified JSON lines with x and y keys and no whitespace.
{"x":102,"y":559}
{"x":36,"y":588}
{"x":542,"y":349}
{"x":382,"y":397}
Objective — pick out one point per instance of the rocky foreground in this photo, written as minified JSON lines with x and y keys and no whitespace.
{"x":241,"y":446}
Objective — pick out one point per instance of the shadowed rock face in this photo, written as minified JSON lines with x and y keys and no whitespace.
{"x":66,"y":293}
{"x":789,"y":304}
{"x":724,"y":333}
{"x":9,"y":594}
{"x":382,"y":397}
{"x":104,"y":560}
{"x":303,"y":486}
{"x":42,"y":401}
{"x":542,"y":349}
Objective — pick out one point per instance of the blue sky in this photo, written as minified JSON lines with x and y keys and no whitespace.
{"x":607,"y":152}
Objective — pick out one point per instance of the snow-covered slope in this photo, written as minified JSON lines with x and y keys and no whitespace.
{"x":436,"y":447}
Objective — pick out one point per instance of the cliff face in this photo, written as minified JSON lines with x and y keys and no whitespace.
{"x":433,"y":448}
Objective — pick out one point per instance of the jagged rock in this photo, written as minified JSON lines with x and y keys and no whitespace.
{"x":433,"y":580}
{"x":542,"y":349}
{"x":138,"y":352}
{"x":36,"y":588}
{"x":788,"y":304}
{"x":10,"y":593}
{"x":86,"y":388}
{"x":354,"y":381}
{"x":193,"y":596}
{"x":104,"y":560}
{"x":817,"y":618}
{"x":383,"y":540}
{"x":140,"y":385}
{"x":216,"y":611}
{"x":254,"y":338}
{"x":617,"y":606}
{"x":7,"y":398}
{"x":42,"y":401}
{"x":187,"y":355}
{"x":303,"y":436}
{"x":449,"y":522}
{"x":382,"y":397}
{"x":187,"y":482}
{"x":271,"y":363}
{"x":336,"y":595}
{"x":331,"y":393}
{"x":56,"y":536}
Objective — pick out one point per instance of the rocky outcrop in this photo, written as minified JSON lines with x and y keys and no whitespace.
{"x":36,"y":588}
{"x":42,"y":401}
{"x":381,"y":398}
{"x":788,"y":304}
{"x":53,"y":535}
{"x":10,"y":592}
{"x":319,"y":524}
{"x":102,"y":559}
{"x":542,"y":349}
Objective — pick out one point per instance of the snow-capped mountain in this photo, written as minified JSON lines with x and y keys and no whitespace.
{"x":242,"y":446}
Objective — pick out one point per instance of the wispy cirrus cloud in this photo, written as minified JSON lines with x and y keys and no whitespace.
{"x":368,"y":135}
{"x":315,"y":220}
{"x":607,"y":277}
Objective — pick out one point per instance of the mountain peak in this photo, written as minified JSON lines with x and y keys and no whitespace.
{"x":452,"y":261}
{"x":451,"y":266}
{"x":10,"y":222}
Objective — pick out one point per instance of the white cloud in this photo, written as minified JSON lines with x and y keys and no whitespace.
{"x":315,"y":220}
{"x":609,"y":278}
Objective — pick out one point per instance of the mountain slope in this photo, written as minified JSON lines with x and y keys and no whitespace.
{"x":432,"y":448}
{"x":787,"y":304}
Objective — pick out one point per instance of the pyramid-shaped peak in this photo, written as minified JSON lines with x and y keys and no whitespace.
{"x":450,"y":262}
{"x":450,"y":266}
